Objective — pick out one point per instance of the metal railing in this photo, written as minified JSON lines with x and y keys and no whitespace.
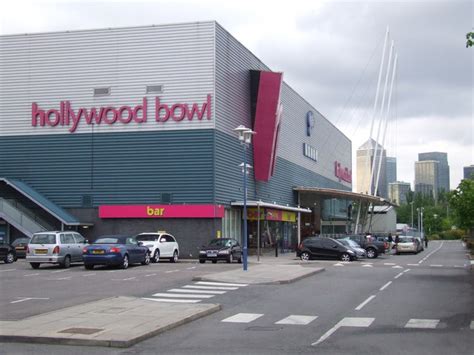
{"x":18,"y":219}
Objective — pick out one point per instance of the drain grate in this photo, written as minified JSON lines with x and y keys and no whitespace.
{"x":264,"y":329}
{"x":85,"y":331}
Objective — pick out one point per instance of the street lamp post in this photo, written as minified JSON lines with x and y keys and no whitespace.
{"x":245,"y":138}
{"x":411,"y":203}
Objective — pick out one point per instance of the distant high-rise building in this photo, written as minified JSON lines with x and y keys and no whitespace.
{"x":427,"y":177}
{"x":398,"y":191}
{"x":469,"y":172}
{"x":391,"y":170}
{"x":365,"y":156}
{"x":443,"y":167}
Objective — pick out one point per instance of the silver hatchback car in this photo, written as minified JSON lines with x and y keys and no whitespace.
{"x":56,"y":247}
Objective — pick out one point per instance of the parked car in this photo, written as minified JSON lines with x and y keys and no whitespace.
{"x":419,"y":244}
{"x":226,"y":249}
{"x":372,"y":246}
{"x":324,"y":248}
{"x":20,"y":245}
{"x":161,"y":245}
{"x":116,"y":250}
{"x":360,"y":252}
{"x":55,"y":247}
{"x":7,"y":253}
{"x":406,"y":244}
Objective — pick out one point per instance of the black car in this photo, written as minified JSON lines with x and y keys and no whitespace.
{"x":7,"y":253}
{"x":225,"y":249}
{"x":317,"y":247}
{"x":21,"y":245}
{"x":372,"y":246}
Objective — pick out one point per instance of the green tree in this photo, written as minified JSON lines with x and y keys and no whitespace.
{"x":469,"y":39}
{"x":462,"y":204}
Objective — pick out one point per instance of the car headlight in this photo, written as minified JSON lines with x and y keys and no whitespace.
{"x":202,"y":252}
{"x":224,"y":252}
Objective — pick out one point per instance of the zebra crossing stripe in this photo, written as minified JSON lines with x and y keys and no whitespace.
{"x":197,"y":291}
{"x":299,"y":320}
{"x":220,"y":284}
{"x":211,"y":287}
{"x":180,"y":295}
{"x":242,"y":318}
{"x":170,"y":300}
{"x":422,"y":323}
{"x":472,"y":325}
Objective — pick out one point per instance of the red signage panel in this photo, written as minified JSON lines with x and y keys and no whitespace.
{"x":161,"y":211}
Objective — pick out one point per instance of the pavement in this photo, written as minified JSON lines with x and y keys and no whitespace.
{"x":124,"y":321}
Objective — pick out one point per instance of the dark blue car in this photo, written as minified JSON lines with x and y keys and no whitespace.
{"x":117,"y":250}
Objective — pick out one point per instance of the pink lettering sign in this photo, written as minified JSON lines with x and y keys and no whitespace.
{"x":161,"y":211}
{"x":343,"y":174}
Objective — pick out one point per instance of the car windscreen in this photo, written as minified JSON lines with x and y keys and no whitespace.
{"x":351,"y":243}
{"x":21,"y":240}
{"x":107,"y":241}
{"x":405,"y":240}
{"x":220,"y":242}
{"x":146,"y":238}
{"x":43,"y":239}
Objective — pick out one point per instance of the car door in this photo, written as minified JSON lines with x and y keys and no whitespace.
{"x":67,"y":245}
{"x":330,"y":248}
{"x":314,"y":246}
{"x":236,"y":250}
{"x":80,"y":242}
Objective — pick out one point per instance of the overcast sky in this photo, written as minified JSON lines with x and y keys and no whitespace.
{"x":330,"y":53}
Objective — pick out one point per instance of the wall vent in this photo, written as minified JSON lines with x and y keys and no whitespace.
{"x":86,"y":200}
{"x":101,"y":91}
{"x":166,"y":197}
{"x":157,"y":89}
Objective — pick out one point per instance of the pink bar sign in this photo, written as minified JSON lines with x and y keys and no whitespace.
{"x":161,"y":211}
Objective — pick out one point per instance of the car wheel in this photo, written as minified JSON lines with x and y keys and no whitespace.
{"x":35,"y":265}
{"x":124,"y":262}
{"x":89,"y":266}
{"x":214,"y":261}
{"x":9,"y":258}
{"x":202,"y":261}
{"x":146,"y":261}
{"x":174,"y":259}
{"x":67,"y":262}
{"x":304,"y":256}
{"x":345,"y":257}
{"x":156,"y":256}
{"x":371,"y":253}
{"x":230,"y":259}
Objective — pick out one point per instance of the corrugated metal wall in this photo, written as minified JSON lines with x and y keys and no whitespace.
{"x":47,"y":68}
{"x":233,"y":62}
{"x":114,"y":168}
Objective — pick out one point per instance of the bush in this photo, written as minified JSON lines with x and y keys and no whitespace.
{"x":452,"y":234}
{"x":434,"y":237}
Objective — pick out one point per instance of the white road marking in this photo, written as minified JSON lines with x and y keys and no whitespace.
{"x":63,"y":278}
{"x":367,"y":262}
{"x":385,"y":286}
{"x":242,"y":318}
{"x":30,"y":275}
{"x":190,"y":268}
{"x":397,"y":276}
{"x":297,"y":320}
{"x":150,"y":275}
{"x":422,"y":323}
{"x":176,"y":270}
{"x":180,"y":295}
{"x":413,"y":264}
{"x":338,"y":264}
{"x":116,"y":270}
{"x":29,"y":298}
{"x":434,"y":251}
{"x":407,"y":270}
{"x":197,"y":291}
{"x":220,"y":284}
{"x":7,"y":270}
{"x":130,"y":278}
{"x":367,"y":265}
{"x":436,"y":265}
{"x":55,"y":272}
{"x":170,"y":300}
{"x":397,"y":267}
{"x":89,"y":275}
{"x":472,"y":325}
{"x":388,"y":264}
{"x":346,"y":322}
{"x":211,"y":287}
{"x":359,"y":307}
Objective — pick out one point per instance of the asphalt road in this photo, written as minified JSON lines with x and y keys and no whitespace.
{"x":407,"y":304}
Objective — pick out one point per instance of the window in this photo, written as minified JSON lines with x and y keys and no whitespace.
{"x":131,"y":241}
{"x":79,"y":238}
{"x":43,"y":239}
{"x":231,"y":224}
{"x":169,"y":238}
{"x":147,"y":238}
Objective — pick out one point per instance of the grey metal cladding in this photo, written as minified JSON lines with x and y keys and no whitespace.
{"x":233,"y":62}
{"x":51,"y":67}
{"x":114,"y":168}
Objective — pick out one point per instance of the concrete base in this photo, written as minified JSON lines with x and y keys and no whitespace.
{"x":112,"y":322}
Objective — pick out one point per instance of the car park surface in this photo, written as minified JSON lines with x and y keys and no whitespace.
{"x":55,"y":247}
{"x":115,"y":250}
{"x":161,"y":245}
